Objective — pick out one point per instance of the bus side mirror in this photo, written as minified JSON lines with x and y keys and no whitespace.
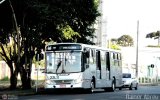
{"x":44,"y":71}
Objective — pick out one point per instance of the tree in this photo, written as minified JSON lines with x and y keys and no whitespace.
{"x":115,"y":47}
{"x":155,"y":35}
{"x":114,"y":41}
{"x":40,"y":21}
{"x":113,"y":44}
{"x":125,"y":40}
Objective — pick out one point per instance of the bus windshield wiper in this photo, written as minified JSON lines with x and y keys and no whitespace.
{"x":50,"y":72}
{"x":58,"y":65}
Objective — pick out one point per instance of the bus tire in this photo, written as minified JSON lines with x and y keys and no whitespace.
{"x":113,"y":87}
{"x":91,"y":89}
{"x":110,"y":89}
{"x":136,"y":87}
{"x":120,"y":88}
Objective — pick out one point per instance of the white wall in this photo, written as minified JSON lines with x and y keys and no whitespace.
{"x":147,"y":56}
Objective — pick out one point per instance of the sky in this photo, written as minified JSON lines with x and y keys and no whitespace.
{"x":122,"y":17}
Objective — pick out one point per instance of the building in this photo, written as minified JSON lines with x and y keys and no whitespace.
{"x":101,"y":27}
{"x":147,"y":58}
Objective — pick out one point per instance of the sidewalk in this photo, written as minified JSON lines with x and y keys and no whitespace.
{"x":18,"y":92}
{"x":7,"y":94}
{"x":149,"y":84}
{"x":4,"y":89}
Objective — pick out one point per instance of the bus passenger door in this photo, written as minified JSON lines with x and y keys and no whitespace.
{"x":108,"y":65}
{"x":98,"y":65}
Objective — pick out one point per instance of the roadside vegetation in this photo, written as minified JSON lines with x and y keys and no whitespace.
{"x":27,"y":25}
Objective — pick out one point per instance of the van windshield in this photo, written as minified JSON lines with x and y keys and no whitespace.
{"x":126,"y":75}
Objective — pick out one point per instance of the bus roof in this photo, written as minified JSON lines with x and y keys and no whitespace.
{"x":86,"y":45}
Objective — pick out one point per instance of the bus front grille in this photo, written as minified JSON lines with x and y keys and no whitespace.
{"x":63,"y":81}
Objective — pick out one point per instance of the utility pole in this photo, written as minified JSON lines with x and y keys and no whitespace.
{"x":137,"y":49}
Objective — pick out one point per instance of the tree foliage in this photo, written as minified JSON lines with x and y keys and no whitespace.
{"x":115,"y":47}
{"x":125,"y":40}
{"x":41,"y":21}
{"x":155,"y":35}
{"x":113,"y":44}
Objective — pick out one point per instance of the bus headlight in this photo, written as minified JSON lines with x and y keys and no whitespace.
{"x":50,"y":82}
{"x":79,"y":80}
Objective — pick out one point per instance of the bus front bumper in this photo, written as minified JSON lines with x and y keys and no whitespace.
{"x":62,"y":86}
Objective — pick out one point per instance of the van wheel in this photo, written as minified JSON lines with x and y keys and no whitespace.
{"x":130,"y":88}
{"x":136,"y":87}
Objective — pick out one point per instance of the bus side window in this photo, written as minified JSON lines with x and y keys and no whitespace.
{"x":86,"y":57}
{"x":98,"y":60}
{"x":91,"y":57}
{"x":115,"y":59}
{"x":108,"y":61}
{"x":94,"y":56}
{"x":119,"y":59}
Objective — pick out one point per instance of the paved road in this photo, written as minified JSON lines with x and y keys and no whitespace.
{"x":143,"y":93}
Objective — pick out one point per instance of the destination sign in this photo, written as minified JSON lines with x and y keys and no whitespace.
{"x":63,"y":47}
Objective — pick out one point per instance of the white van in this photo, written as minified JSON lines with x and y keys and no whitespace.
{"x":129,"y":81}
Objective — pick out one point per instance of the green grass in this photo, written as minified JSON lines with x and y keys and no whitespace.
{"x":5,"y":79}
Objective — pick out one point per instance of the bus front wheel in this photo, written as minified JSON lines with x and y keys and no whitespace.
{"x":91,"y":89}
{"x":110,"y":89}
{"x":113,"y":87}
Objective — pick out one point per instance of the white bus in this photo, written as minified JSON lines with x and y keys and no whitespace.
{"x":76,"y":65}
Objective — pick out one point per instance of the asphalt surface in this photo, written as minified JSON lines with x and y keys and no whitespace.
{"x":4,"y":90}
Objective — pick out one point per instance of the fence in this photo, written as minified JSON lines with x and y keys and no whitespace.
{"x":4,"y":70}
{"x":149,"y":80}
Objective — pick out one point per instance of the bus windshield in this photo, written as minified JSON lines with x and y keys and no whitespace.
{"x":63,"y":62}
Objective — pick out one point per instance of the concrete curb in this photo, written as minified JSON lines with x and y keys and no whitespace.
{"x":18,"y":92}
{"x":149,"y":84}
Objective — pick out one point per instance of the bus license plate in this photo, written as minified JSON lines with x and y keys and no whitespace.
{"x":62,"y":86}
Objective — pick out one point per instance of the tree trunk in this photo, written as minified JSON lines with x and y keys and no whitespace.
{"x":13,"y":79}
{"x":26,"y":74}
{"x":29,"y":73}
{"x":23,"y":78}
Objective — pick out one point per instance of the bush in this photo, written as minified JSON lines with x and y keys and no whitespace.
{"x":142,"y":79}
{"x":139,"y":79}
{"x":158,"y":80}
{"x":149,"y":80}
